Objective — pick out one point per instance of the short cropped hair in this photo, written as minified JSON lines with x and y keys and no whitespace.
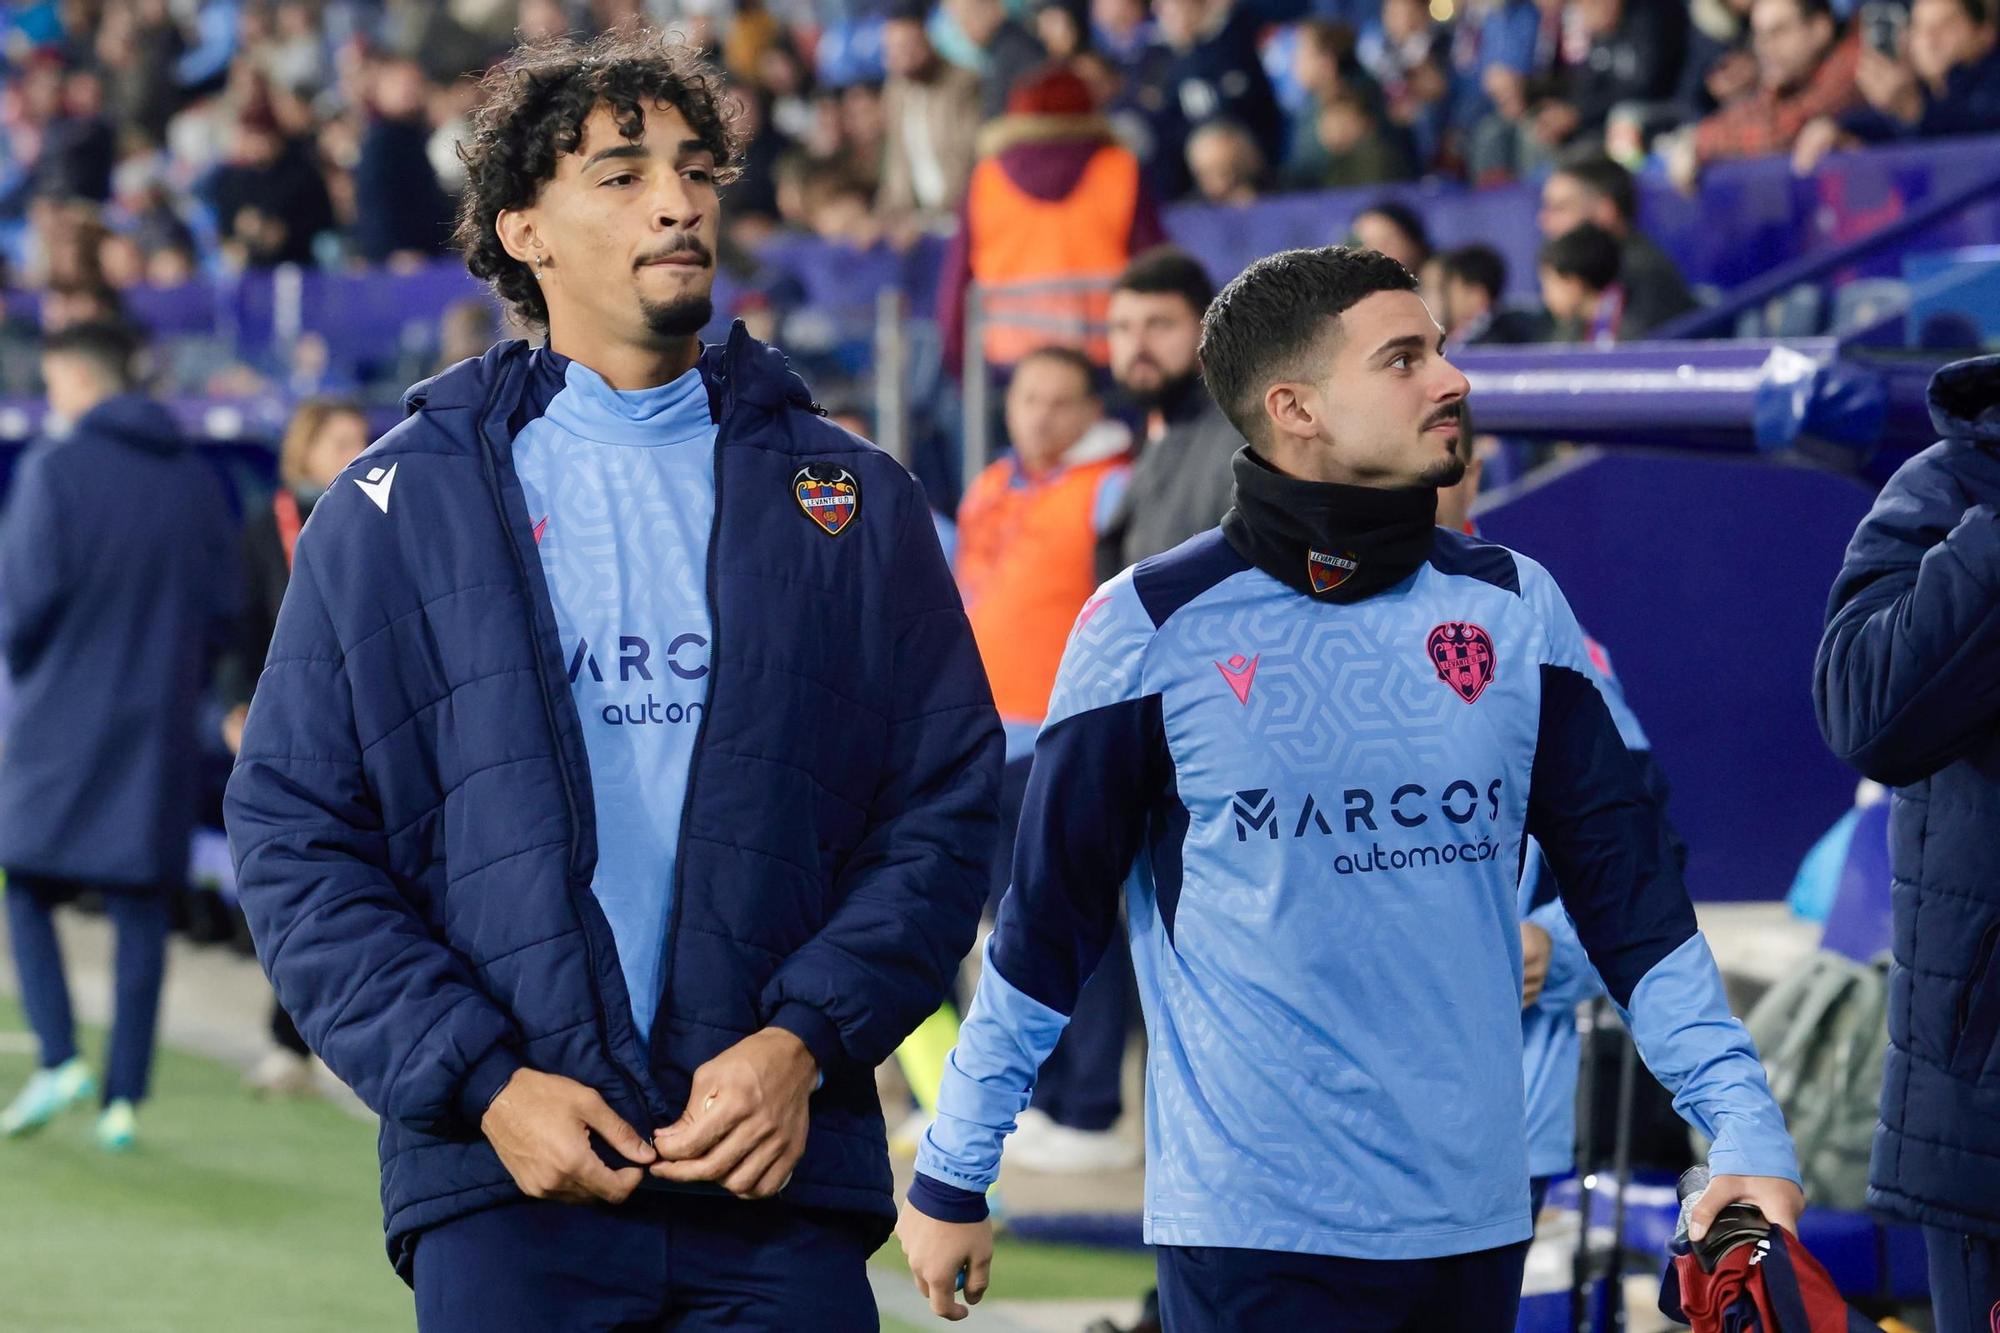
{"x":1588,"y":253}
{"x":111,"y":350}
{"x":1606,"y":179}
{"x":1167,"y":271}
{"x":1260,"y":327}
{"x":1479,"y":266}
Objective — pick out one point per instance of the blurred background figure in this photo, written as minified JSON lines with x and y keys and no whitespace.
{"x":1056,"y":203}
{"x":324,"y":436}
{"x":1580,"y":288}
{"x":120,"y":579}
{"x":1599,"y":191}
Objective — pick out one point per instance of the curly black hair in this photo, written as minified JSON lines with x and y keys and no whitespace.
{"x":535,"y":104}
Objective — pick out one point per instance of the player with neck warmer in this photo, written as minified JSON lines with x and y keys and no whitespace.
{"x":1307,"y":748}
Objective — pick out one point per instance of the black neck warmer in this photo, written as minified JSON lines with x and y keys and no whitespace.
{"x":1333,"y":543}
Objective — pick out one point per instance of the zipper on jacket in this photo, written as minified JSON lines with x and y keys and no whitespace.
{"x":633,"y":1084}
{"x":660,"y":1013}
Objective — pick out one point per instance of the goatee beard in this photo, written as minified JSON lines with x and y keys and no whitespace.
{"x":1170,"y":389}
{"x":679,"y":319}
{"x":1445,"y":472}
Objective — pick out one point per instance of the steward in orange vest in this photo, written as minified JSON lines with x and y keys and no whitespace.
{"x":1027,"y":532}
{"x":1054,"y":199}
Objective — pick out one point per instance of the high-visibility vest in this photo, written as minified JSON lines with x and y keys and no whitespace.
{"x":1026,"y":548}
{"x":1019,"y":239}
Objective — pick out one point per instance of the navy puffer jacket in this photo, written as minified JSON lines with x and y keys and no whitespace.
{"x":412,"y":816}
{"x":1908,"y":688}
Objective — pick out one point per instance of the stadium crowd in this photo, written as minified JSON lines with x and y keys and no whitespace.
{"x":149,"y":142}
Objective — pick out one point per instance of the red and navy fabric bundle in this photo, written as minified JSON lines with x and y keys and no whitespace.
{"x":1770,"y":1286}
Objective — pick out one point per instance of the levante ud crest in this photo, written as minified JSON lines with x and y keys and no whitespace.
{"x":828,"y":495}
{"x":1327,"y":572}
{"x":1463,"y":655}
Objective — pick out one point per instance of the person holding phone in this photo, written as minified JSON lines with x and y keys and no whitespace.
{"x":1926,"y":73}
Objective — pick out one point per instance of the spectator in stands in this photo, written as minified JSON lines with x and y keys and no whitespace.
{"x":1904,"y":690}
{"x":1181,"y":484}
{"x":65,"y":305}
{"x":118,"y":558}
{"x":1946,"y":81}
{"x":1597,"y":190}
{"x":1720,"y":67}
{"x":269,"y":199}
{"x":324,"y":436}
{"x":1635,"y":54}
{"x":1215,"y":71}
{"x":1473,"y":285}
{"x":1579,"y":274}
{"x":1405,"y":52}
{"x":79,"y":145}
{"x":1396,"y":230}
{"x":1347,"y":146}
{"x":1125,"y":31}
{"x":400,"y":213}
{"x":1055,"y":198}
{"x":1226,"y":165}
{"x":1492,"y":55}
{"x":1062,"y":27}
{"x":1011,"y":51}
{"x":1805,"y":70}
{"x":933,"y":114}
{"x":1027,"y":530}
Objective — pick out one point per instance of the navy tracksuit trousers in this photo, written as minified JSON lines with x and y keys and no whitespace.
{"x":664,"y":1262}
{"x":1213,"y":1290}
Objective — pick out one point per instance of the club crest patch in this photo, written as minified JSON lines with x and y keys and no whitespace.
{"x":828,"y":495}
{"x":1462,"y":652}
{"x":1328,"y":572}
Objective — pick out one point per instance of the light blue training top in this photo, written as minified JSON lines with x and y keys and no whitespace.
{"x":621,"y":492}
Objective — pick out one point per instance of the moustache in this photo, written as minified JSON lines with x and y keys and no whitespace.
{"x":686,"y":245}
{"x":1452,"y":415}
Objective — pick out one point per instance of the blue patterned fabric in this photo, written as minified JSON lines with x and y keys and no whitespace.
{"x":620,"y":488}
{"x":1316,"y":813}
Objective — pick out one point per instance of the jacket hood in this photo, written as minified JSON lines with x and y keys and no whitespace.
{"x":1965,"y":400}
{"x":738,"y":370}
{"x":1026,"y":131}
{"x":136,"y":420}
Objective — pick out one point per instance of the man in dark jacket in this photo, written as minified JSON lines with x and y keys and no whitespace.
{"x":1597,"y":190}
{"x":1181,"y":484}
{"x":1907,"y":693}
{"x":621,"y":785}
{"x":117,"y":587}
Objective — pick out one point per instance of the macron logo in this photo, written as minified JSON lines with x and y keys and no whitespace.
{"x":1241,"y":673}
{"x":376,"y":485}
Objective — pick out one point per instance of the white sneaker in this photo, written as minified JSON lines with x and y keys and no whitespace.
{"x":1059,"y":1150}
{"x":281,"y":1073}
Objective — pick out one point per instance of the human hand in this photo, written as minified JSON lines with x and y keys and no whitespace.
{"x":1731,"y":76}
{"x":746,"y":1118}
{"x":938,"y":1252}
{"x":1778,"y":1199}
{"x":1890,"y":86}
{"x":1815,"y":141}
{"x":540,"y":1124}
{"x":1536,"y":951}
{"x":1555,"y":122}
{"x":232,"y":727}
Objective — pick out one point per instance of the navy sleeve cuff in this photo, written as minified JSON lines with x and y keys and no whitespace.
{"x":483,"y":1083}
{"x":946,"y":1203}
{"x":813,"y":1028}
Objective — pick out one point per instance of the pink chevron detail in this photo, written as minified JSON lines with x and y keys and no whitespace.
{"x":1241,"y":673}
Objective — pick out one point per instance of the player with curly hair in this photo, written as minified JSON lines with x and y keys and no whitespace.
{"x":621,"y":785}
